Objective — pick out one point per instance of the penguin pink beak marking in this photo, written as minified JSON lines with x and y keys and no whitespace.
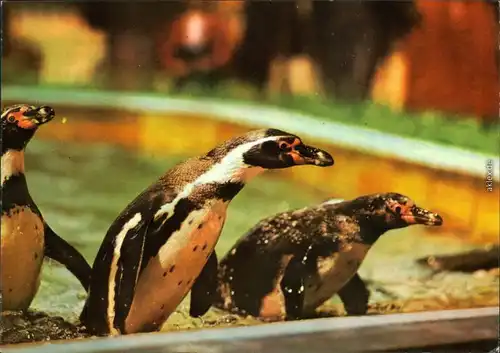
{"x":418,"y":215}
{"x":303,"y":154}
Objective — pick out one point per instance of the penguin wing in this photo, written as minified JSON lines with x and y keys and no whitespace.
{"x":300,"y":266}
{"x":60,"y":250}
{"x":124,"y":252}
{"x":141,"y":243}
{"x":204,"y":288}
{"x":293,"y":281}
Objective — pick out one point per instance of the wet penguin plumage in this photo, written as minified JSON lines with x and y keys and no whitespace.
{"x":162,"y":244}
{"x":26,"y":238}
{"x":289,"y":264}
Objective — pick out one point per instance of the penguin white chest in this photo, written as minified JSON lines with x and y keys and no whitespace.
{"x":169,"y":276}
{"x":22,"y":250}
{"x":333,"y":272}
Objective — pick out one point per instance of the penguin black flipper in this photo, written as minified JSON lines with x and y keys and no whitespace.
{"x":355,"y":295}
{"x":204,"y":288}
{"x":61,"y":251}
{"x":130,"y":266}
{"x":139,"y":230}
{"x":149,"y":236}
{"x":292,"y":286}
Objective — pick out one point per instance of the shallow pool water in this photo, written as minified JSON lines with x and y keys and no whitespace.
{"x":81,"y":188}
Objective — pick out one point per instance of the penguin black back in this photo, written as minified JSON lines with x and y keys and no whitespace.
{"x":289,"y":264}
{"x":26,"y":237}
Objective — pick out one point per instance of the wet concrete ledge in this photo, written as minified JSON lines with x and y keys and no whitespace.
{"x":448,"y":180}
{"x":351,"y":334}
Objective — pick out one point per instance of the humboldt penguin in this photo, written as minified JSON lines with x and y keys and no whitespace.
{"x":289,"y":264}
{"x":161,"y":245}
{"x":26,"y":238}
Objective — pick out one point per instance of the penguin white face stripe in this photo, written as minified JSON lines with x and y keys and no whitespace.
{"x":333,"y":201}
{"x":131,"y":224}
{"x":12,"y":164}
{"x":231,"y":168}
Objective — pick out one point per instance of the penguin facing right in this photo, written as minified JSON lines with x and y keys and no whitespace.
{"x":289,"y":264}
{"x":26,"y":238}
{"x":161,"y":246}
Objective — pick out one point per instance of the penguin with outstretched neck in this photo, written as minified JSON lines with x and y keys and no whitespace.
{"x":162,"y":244}
{"x":289,"y":264}
{"x":26,"y":238}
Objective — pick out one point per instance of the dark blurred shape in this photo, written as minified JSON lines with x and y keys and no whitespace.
{"x":346,"y":38}
{"x":353,"y":37}
{"x":16,"y":55}
{"x":273,"y":29}
{"x":6,"y":23}
{"x":466,"y":262}
{"x":131,"y":26}
{"x":195,"y":47}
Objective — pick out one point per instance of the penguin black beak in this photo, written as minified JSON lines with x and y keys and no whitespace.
{"x":418,"y":215}
{"x":36,"y":117}
{"x":303,"y":154}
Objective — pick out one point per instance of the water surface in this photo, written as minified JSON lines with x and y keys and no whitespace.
{"x":81,"y":188}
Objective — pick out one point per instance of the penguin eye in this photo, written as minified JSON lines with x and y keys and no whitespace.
{"x":11,"y":119}
{"x":284,"y":146}
{"x":398,"y":210}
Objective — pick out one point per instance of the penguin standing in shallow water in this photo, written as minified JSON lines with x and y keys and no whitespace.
{"x":25,"y":237}
{"x":162,"y":244}
{"x":289,"y":264}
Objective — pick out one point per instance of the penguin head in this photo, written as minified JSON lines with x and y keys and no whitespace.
{"x":403,"y":210}
{"x":276,"y":149}
{"x":19,"y":123}
{"x":392,"y":210}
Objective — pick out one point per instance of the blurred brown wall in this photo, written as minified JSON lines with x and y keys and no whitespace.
{"x":449,"y":63}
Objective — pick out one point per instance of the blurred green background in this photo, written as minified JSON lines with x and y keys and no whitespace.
{"x":420,"y":69}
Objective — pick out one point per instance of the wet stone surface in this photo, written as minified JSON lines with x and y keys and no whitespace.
{"x":32,"y":326}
